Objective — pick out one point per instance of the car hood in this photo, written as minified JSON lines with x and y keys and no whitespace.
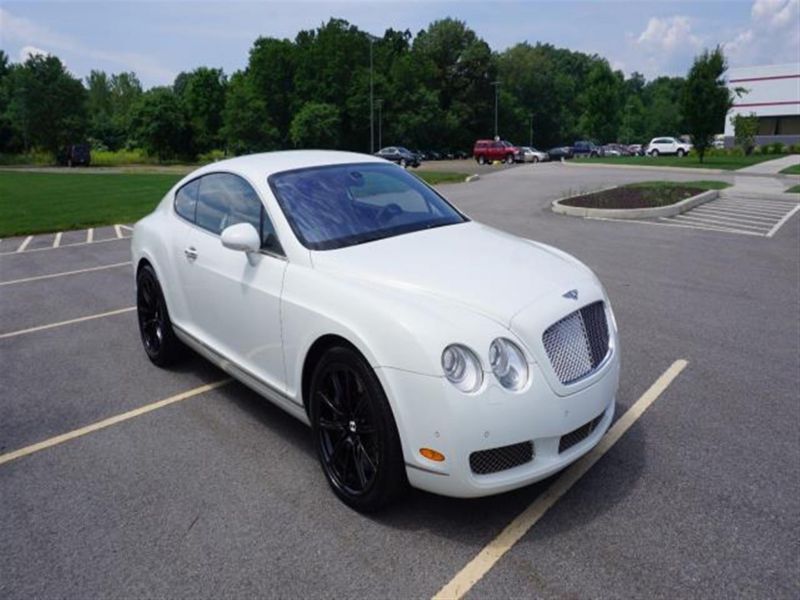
{"x":486,"y":270}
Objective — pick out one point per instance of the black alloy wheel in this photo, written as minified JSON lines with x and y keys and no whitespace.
{"x":158,"y":337}
{"x":355,"y":433}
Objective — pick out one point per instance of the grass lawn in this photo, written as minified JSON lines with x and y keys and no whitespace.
{"x":42,"y":202}
{"x":794,"y":190}
{"x":437,"y":177}
{"x":727,"y":163}
{"x":646,"y":194}
{"x":793,"y":170}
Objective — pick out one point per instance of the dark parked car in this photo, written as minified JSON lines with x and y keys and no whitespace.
{"x":584,"y":148}
{"x":397,"y":154}
{"x":76,"y":155}
{"x":560,"y":152}
{"x":434,"y":155}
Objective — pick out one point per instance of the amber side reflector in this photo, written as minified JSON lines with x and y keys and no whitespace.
{"x":431,"y":454}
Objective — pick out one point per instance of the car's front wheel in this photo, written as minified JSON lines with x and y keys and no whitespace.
{"x":155,"y":327}
{"x":481,"y":160}
{"x":355,"y":433}
{"x":680,"y":152}
{"x":535,"y":159}
{"x":403,"y":162}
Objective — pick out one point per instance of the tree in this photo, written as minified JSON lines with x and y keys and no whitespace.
{"x":202,"y":93}
{"x":706,"y":99}
{"x":601,"y":104}
{"x":745,"y":128}
{"x":47,"y":104}
{"x":160,"y":124}
{"x":246,"y":124}
{"x":316,"y":125}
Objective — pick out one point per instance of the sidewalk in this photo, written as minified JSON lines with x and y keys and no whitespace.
{"x":771,"y":167}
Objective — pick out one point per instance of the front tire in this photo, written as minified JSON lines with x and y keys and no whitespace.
{"x":158,"y":338}
{"x":481,"y":160}
{"x":403,"y":162}
{"x":354,"y":432}
{"x":681,"y":153}
{"x":535,"y":159}
{"x":510,"y":159}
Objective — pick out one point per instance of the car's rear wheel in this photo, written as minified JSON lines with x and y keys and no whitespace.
{"x":355,"y":433}
{"x":680,"y":152}
{"x":481,"y":160}
{"x":535,"y":159}
{"x":654,"y":153}
{"x":403,"y":162}
{"x":160,"y":343}
{"x":510,"y":159}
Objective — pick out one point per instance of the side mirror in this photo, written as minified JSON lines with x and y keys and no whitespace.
{"x":242,"y":237}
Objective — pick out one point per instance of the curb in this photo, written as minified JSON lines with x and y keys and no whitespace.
{"x":635,"y":213}
{"x":471,"y":178}
{"x":698,"y":170}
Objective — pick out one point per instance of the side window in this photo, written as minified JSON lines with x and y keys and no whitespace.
{"x":186,"y":200}
{"x":225,"y":199}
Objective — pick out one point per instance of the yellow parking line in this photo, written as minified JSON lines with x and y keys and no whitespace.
{"x":110,"y":313}
{"x":136,"y":412}
{"x":486,"y":558}
{"x":64,"y":273}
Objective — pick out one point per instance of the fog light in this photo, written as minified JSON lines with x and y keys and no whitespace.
{"x":431,"y":454}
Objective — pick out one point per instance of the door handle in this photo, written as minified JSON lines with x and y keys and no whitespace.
{"x":190,"y":252}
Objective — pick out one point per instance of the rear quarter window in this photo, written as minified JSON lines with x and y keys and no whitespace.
{"x":186,"y":200}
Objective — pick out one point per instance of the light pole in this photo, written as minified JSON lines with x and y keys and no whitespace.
{"x":380,"y":122}
{"x":372,"y":40}
{"x":496,"y":85}
{"x":530,"y":142}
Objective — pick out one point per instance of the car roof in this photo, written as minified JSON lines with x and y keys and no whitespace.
{"x":258,"y":167}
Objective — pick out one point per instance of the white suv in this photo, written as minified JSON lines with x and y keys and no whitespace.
{"x":667,"y":145}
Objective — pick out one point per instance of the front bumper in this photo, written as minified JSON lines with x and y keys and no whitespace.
{"x":431,"y":413}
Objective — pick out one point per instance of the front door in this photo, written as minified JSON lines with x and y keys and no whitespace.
{"x":234,"y":297}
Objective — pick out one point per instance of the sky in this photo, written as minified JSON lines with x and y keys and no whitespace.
{"x":158,"y":39}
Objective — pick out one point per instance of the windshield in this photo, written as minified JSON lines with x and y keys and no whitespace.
{"x":342,"y":205}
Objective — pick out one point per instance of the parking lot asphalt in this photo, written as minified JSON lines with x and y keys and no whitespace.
{"x":221,"y":494}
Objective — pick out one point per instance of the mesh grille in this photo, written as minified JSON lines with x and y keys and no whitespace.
{"x":581,"y":433}
{"x":494,"y":460}
{"x":578,"y":343}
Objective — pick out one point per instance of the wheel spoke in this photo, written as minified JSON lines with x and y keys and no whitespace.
{"x":331,"y":425}
{"x":366,"y":455}
{"x":362,"y":476}
{"x":337,"y":413}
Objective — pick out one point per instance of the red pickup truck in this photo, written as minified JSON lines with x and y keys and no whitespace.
{"x":491,"y":150}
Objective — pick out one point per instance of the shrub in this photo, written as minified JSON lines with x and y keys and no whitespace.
{"x":39,"y":159}
{"x":794,"y":148}
{"x":777,"y":148}
{"x":211,"y":156}
{"x":757,"y":150}
{"x":108,"y":158}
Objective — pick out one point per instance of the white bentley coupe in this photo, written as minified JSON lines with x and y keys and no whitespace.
{"x":421,"y":347}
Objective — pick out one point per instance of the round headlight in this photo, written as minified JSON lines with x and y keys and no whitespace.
{"x":508,"y":364}
{"x":462,"y":368}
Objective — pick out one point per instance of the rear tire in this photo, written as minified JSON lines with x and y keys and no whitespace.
{"x":654,"y":153}
{"x":481,"y":160}
{"x":158,"y":338}
{"x":403,"y":162}
{"x":510,"y":159}
{"x":354,"y":432}
{"x":535,"y":159}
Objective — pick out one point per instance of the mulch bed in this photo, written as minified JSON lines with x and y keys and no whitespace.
{"x":633,"y":197}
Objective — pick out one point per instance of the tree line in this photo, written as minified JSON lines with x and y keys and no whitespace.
{"x":435,"y":89}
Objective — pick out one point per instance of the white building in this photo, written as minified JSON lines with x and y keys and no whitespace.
{"x":773,"y":94}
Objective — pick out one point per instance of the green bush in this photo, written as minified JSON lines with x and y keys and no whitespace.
{"x":757,"y":150}
{"x":108,"y":158}
{"x":794,"y":149}
{"x":777,"y":148}
{"x":211,"y":156}
{"x":39,"y":159}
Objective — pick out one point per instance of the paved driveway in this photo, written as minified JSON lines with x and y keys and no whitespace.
{"x":219,"y":494}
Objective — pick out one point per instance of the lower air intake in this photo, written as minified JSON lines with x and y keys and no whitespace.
{"x":495,"y":460}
